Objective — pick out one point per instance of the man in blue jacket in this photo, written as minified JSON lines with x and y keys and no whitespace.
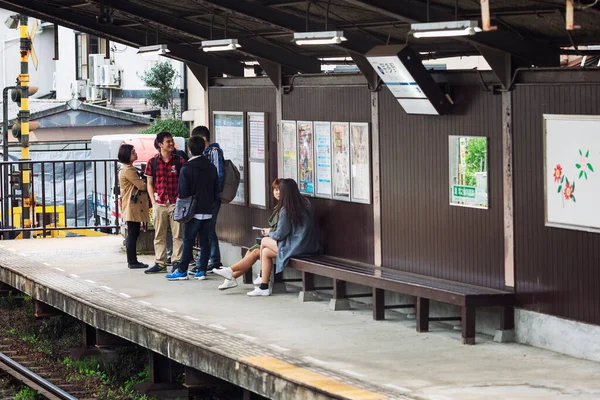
{"x":198,"y":178}
{"x":214,"y":154}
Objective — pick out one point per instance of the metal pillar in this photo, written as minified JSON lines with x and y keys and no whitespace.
{"x":5,"y":169}
{"x":24,"y":119}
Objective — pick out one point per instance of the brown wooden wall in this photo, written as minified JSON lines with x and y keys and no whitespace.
{"x":235,"y":222}
{"x":557,"y":270}
{"x":346,"y":228}
{"x":421,"y":232}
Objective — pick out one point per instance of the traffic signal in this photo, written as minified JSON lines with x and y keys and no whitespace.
{"x":15,"y":94}
{"x":16,"y":128}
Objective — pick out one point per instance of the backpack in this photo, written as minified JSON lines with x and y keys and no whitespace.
{"x":231,"y":181}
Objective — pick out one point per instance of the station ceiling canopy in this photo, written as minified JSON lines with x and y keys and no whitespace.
{"x":533,"y":31}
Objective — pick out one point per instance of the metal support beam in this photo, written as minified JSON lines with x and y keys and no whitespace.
{"x":367,"y":70}
{"x":129,"y":37}
{"x":501,"y":63}
{"x":507,"y":168}
{"x":273,"y":71}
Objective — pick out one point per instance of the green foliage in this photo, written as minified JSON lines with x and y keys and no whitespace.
{"x":476,"y":159}
{"x":26,"y":393}
{"x":161,"y":77}
{"x":174,"y":126}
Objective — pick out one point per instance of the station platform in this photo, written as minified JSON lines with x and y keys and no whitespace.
{"x":277,"y":346}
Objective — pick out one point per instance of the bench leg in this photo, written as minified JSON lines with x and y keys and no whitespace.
{"x":339,"y":301}
{"x":277,"y":282}
{"x":248,"y":277}
{"x":378,"y":304}
{"x":308,"y":288}
{"x":422,"y":311}
{"x":468,"y":324}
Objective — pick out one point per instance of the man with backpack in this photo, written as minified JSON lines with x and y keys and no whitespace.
{"x":163,"y":171}
{"x":214,"y":154}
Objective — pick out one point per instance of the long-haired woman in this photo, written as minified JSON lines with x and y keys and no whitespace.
{"x":135,"y":207}
{"x":253,"y":254}
{"x":296,"y":235}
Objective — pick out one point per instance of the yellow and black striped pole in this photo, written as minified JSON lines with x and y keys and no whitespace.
{"x":24,"y":119}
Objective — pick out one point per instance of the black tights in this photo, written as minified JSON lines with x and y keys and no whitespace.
{"x":133,"y":232}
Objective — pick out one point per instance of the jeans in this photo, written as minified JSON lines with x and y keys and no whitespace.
{"x":133,"y":233}
{"x":192,"y":229}
{"x":215,"y":252}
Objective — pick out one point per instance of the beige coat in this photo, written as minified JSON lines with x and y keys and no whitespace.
{"x":129,"y":180}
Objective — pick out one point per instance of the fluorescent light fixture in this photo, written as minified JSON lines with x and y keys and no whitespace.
{"x":445,"y":29}
{"x":220,"y":45}
{"x":317,"y":38}
{"x":157,"y":49}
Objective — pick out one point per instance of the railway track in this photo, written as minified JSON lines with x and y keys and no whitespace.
{"x":47,"y":383}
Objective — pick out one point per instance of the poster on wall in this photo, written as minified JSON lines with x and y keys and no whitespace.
{"x":257,"y":164}
{"x":360,"y":161}
{"x":289,"y":143}
{"x":468,"y":166}
{"x":229,"y":133}
{"x":340,"y":141}
{"x":323,"y":159}
{"x":571,"y":168}
{"x":306,"y":177}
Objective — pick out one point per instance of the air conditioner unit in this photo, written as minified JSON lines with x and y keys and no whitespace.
{"x":93,"y":94}
{"x":110,"y":76}
{"x":95,"y":62}
{"x":78,"y":89}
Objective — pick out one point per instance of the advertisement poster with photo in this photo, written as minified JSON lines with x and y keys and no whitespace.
{"x":341,"y":160}
{"x":229,"y":133}
{"x":361,"y":172}
{"x":289,"y":144}
{"x":323,"y":159}
{"x":306,"y":179}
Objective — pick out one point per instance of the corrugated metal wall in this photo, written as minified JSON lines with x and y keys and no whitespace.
{"x":235,"y":222}
{"x":421,"y":232}
{"x":557,"y":270}
{"x":346,"y":228}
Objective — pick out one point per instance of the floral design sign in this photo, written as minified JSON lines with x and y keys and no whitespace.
{"x":572,"y":149}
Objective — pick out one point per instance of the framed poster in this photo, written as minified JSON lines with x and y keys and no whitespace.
{"x":340,"y":142}
{"x":289,"y":147}
{"x":306,"y":176}
{"x":360,"y":162}
{"x":257,"y":164}
{"x":229,"y":133}
{"x":468,"y":156}
{"x":571,"y":168}
{"x":323,"y":159}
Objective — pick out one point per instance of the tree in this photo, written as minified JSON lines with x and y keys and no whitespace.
{"x":175,"y":127}
{"x":162,"y":77}
{"x":476,"y":159}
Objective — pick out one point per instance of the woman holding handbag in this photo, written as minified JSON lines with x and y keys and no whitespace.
{"x":135,"y":202}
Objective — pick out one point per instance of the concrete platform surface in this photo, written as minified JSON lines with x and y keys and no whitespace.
{"x":389,"y":356}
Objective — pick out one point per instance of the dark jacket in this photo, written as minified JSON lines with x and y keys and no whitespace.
{"x":198,"y":178}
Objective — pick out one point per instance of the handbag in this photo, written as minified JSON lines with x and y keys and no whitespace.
{"x":184,"y":209}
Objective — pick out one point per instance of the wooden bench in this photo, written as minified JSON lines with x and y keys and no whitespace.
{"x":422,"y":288}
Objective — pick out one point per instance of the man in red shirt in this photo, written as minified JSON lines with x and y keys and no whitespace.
{"x":162,"y":171}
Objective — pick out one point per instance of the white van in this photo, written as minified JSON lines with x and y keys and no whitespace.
{"x":106,"y":147}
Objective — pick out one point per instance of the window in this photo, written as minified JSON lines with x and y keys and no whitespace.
{"x":84,"y":46}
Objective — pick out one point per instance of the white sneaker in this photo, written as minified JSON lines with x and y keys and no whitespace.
{"x":228,"y":284}
{"x":259,"y":292}
{"x":226,"y":272}
{"x":257,"y":281}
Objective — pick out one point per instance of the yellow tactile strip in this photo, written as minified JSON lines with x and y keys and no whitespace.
{"x":310,"y":378}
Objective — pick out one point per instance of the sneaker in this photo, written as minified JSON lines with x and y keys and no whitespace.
{"x":178,"y":276}
{"x":193,"y":271}
{"x":228,"y":284}
{"x":259,"y":292}
{"x":211,"y":267}
{"x":156,"y":269}
{"x":169,"y":261}
{"x":226,"y":273}
{"x":257,"y":281}
{"x":200,"y":275}
{"x":137,"y":265}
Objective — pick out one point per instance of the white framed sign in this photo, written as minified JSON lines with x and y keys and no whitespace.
{"x":360,"y":163}
{"x":340,"y":141}
{"x":289,"y":150}
{"x":468,"y":166}
{"x":229,"y":133}
{"x":323,"y":151}
{"x":257,"y":176}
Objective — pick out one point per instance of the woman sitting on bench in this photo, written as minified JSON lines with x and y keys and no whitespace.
{"x":295,"y":235}
{"x":253,"y":253}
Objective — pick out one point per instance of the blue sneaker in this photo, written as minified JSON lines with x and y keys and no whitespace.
{"x":200,"y":275}
{"x":178,"y":276}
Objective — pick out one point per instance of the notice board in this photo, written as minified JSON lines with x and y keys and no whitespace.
{"x":229,"y":133}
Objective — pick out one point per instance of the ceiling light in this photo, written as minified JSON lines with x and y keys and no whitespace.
{"x":220,"y":45}
{"x":317,"y":38}
{"x":157,"y":49}
{"x":445,"y":29}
